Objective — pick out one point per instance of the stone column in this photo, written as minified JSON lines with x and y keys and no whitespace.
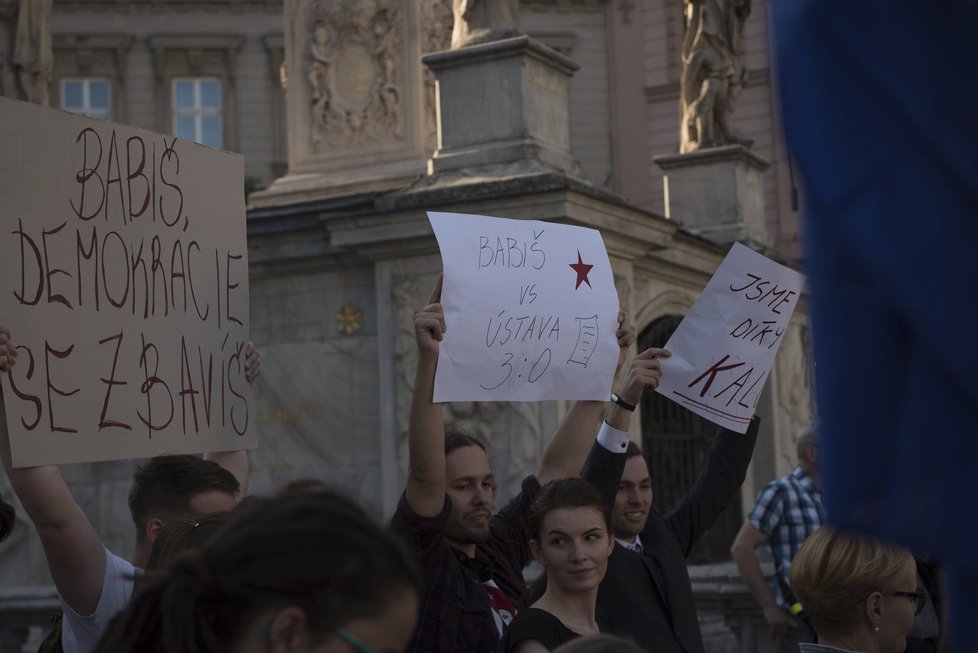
{"x":503,"y":106}
{"x":717,"y":193}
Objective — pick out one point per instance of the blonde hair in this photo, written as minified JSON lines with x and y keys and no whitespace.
{"x":834,"y":572}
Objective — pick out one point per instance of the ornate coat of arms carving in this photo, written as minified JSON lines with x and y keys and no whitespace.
{"x":355,"y":72}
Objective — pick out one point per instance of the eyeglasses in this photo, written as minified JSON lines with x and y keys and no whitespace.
{"x":348,"y":637}
{"x":353,"y":641}
{"x":919,"y":598}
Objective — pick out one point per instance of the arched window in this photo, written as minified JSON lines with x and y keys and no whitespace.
{"x":676,"y":443}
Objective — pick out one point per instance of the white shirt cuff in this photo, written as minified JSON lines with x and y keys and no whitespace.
{"x":612,"y":439}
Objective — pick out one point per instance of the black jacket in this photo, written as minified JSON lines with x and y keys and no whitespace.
{"x":648,"y":596}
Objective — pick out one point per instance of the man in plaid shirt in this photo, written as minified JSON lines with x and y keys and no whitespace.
{"x":472,"y":560}
{"x":787,"y":511}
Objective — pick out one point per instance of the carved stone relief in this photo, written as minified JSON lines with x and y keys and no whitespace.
{"x":355,"y":71}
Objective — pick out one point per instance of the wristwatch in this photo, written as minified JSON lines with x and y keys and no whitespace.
{"x":621,"y":402}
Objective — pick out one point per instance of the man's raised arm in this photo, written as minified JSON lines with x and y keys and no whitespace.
{"x":606,"y":461}
{"x":568,"y":448}
{"x":74,"y":551}
{"x":425,"y":490}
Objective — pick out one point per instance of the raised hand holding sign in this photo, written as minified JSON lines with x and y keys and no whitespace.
{"x":124,"y":281}
{"x":530,"y":308}
{"x":724,"y":347}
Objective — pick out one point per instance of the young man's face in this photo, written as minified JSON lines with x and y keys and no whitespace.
{"x":633,"y":501}
{"x":471,"y":486}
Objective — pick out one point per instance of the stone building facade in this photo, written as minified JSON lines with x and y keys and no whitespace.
{"x":339,"y":249}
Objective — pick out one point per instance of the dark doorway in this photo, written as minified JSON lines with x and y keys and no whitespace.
{"x":676,"y":444}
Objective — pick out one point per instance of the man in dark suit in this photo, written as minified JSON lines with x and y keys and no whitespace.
{"x":646,"y":592}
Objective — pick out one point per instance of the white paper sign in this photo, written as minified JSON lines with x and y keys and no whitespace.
{"x":723,"y":349}
{"x":531,"y":311}
{"x":124,"y":282}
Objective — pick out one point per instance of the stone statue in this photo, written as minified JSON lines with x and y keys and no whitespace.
{"x":713,"y":72}
{"x":480,"y":21}
{"x":8,"y":28}
{"x":26,"y":55}
{"x":436,"y":35}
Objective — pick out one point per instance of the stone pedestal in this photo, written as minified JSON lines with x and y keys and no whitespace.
{"x":717,"y":193}
{"x":503,"y":103}
{"x":357,"y":98}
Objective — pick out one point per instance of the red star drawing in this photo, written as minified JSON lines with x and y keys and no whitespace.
{"x":582,"y":269}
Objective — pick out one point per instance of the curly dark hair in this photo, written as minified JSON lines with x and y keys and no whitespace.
{"x":318,"y":551}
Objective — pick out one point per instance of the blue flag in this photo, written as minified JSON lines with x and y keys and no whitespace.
{"x":880,"y":103}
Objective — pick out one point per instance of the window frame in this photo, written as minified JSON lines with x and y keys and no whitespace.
{"x":197,"y":111}
{"x":86,"y":108}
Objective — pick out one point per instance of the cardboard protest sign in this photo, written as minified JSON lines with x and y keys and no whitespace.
{"x":723,"y":349}
{"x":124,"y":282}
{"x":531,"y":311}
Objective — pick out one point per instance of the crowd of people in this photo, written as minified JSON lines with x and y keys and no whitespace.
{"x":310,"y":570}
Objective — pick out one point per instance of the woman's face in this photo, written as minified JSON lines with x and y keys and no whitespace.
{"x":898,"y":613}
{"x":573,"y":546}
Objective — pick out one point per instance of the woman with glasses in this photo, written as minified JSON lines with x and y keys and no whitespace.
{"x":305,"y":573}
{"x":860,"y":594}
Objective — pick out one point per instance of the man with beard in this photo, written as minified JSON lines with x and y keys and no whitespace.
{"x":473,"y":561}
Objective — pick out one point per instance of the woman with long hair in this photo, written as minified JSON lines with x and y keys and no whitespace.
{"x":860,"y":594}
{"x":570,"y":535}
{"x":301,"y":573}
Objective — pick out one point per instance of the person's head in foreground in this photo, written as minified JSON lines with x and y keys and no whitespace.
{"x":570,"y":535}
{"x":860,"y":594}
{"x":310,"y":572}
{"x":599,"y":644}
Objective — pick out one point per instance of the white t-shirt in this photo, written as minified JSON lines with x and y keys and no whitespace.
{"x":80,"y":634}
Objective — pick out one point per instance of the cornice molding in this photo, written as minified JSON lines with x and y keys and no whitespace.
{"x":564,"y":6}
{"x":169,"y":6}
